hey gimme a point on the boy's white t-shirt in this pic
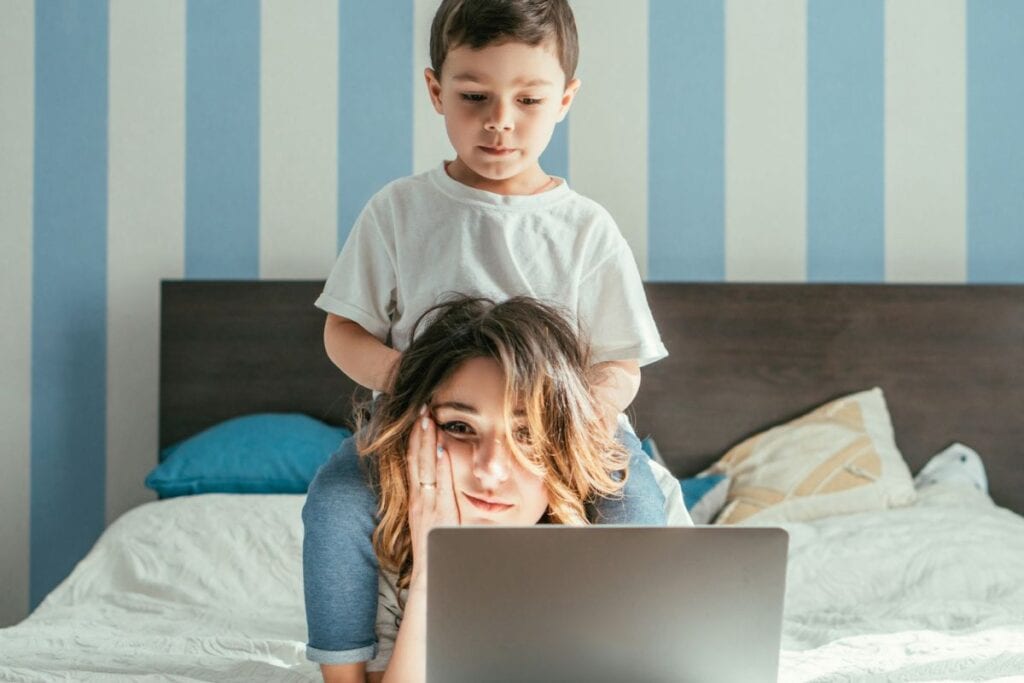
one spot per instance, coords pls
(426, 237)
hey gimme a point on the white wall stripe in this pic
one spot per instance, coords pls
(429, 139)
(765, 140)
(17, 131)
(298, 138)
(925, 141)
(145, 231)
(608, 130)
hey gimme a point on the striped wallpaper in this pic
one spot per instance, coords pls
(794, 140)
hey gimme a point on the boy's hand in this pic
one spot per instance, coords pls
(615, 384)
(611, 421)
(359, 354)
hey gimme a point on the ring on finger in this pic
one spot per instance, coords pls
(428, 484)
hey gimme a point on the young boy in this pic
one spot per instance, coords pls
(489, 223)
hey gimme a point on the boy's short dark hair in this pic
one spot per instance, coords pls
(478, 23)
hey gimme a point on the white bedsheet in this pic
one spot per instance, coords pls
(199, 588)
(208, 588)
(926, 593)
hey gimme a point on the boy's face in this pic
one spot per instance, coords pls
(500, 104)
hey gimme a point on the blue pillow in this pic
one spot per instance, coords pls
(262, 453)
(695, 488)
(703, 496)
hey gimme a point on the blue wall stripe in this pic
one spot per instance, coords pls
(686, 158)
(222, 163)
(69, 316)
(555, 159)
(846, 141)
(375, 119)
(995, 142)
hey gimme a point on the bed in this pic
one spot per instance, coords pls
(208, 587)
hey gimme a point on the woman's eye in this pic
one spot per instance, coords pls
(473, 97)
(522, 435)
(456, 428)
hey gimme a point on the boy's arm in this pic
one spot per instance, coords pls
(615, 383)
(358, 353)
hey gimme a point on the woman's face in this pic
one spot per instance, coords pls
(490, 486)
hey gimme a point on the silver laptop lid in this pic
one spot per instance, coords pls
(605, 603)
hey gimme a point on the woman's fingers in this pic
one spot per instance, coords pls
(427, 456)
(447, 510)
(422, 499)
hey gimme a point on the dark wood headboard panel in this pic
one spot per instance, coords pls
(950, 359)
(229, 348)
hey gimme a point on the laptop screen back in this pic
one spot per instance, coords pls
(605, 603)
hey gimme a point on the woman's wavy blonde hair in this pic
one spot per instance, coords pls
(545, 363)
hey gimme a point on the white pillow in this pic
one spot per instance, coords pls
(957, 465)
(838, 459)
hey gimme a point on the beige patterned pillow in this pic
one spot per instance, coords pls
(838, 459)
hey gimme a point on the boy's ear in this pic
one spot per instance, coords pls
(433, 89)
(571, 88)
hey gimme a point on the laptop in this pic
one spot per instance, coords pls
(605, 603)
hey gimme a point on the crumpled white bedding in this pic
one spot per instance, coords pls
(209, 588)
(198, 588)
(931, 592)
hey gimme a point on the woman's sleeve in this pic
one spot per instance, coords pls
(389, 618)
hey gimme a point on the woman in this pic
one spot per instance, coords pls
(490, 421)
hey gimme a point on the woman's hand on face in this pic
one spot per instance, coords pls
(431, 491)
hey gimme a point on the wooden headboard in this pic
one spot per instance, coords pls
(743, 357)
(229, 348)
